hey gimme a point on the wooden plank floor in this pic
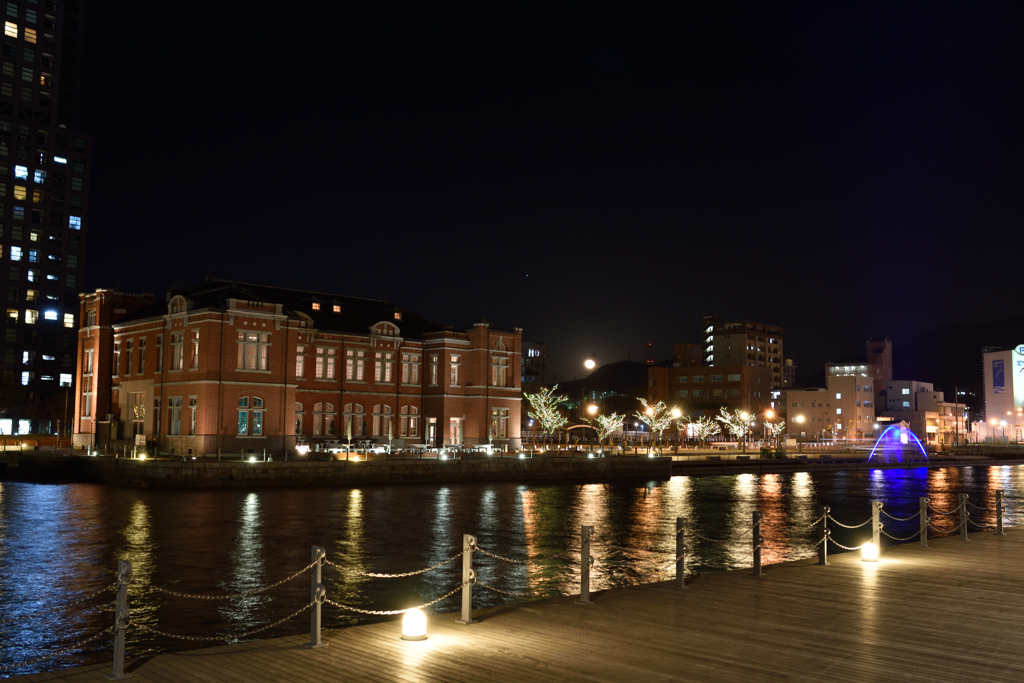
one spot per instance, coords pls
(951, 612)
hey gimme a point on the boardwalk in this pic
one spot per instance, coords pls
(951, 612)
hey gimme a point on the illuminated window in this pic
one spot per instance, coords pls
(337, 308)
(454, 370)
(21, 172)
(33, 236)
(31, 295)
(20, 192)
(39, 176)
(26, 377)
(253, 351)
(30, 35)
(33, 275)
(316, 306)
(382, 366)
(65, 379)
(194, 365)
(12, 314)
(10, 29)
(300, 364)
(60, 160)
(31, 316)
(398, 315)
(16, 253)
(75, 222)
(355, 365)
(33, 256)
(38, 197)
(839, 396)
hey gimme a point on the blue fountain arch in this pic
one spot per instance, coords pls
(893, 446)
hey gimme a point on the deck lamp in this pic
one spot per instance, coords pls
(869, 553)
(252, 458)
(414, 625)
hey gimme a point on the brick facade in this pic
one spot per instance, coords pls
(266, 367)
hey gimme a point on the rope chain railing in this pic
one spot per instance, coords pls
(318, 595)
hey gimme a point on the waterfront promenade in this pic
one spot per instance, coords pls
(950, 612)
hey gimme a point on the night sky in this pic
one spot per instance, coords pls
(599, 176)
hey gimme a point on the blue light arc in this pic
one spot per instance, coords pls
(894, 445)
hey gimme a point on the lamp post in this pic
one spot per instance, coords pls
(592, 411)
(799, 419)
(768, 415)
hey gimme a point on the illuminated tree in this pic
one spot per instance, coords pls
(606, 425)
(775, 430)
(545, 409)
(738, 423)
(704, 428)
(657, 417)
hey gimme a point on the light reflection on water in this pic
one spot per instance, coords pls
(61, 542)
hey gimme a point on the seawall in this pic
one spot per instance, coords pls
(210, 474)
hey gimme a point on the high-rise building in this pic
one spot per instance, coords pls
(742, 342)
(44, 207)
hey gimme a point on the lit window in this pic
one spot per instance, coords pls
(39, 176)
(839, 411)
(75, 222)
(906, 392)
(69, 320)
(16, 253)
(21, 172)
(337, 308)
(65, 379)
(839, 396)
(12, 314)
(30, 35)
(33, 275)
(50, 315)
(60, 160)
(20, 192)
(31, 316)
(26, 377)
(31, 295)
(33, 236)
(52, 277)
(33, 256)
(398, 315)
(10, 29)
(316, 306)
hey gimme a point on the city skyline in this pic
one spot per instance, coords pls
(600, 180)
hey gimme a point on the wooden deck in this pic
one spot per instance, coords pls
(951, 612)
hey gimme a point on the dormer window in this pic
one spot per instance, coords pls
(316, 306)
(398, 315)
(337, 308)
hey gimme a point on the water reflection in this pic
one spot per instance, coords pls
(58, 543)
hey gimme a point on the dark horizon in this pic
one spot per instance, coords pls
(599, 178)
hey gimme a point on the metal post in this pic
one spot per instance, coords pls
(999, 514)
(586, 532)
(680, 551)
(923, 515)
(876, 524)
(121, 614)
(468, 578)
(964, 514)
(757, 543)
(823, 547)
(317, 593)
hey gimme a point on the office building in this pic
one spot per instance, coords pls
(743, 342)
(44, 208)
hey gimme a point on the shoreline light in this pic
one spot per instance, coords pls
(414, 625)
(869, 553)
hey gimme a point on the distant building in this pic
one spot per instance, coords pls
(933, 420)
(743, 342)
(696, 389)
(877, 364)
(231, 366)
(789, 373)
(843, 410)
(1004, 393)
(534, 370)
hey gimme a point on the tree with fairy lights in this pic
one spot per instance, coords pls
(545, 410)
(658, 417)
(775, 430)
(737, 422)
(704, 428)
(606, 425)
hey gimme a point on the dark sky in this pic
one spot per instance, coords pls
(599, 176)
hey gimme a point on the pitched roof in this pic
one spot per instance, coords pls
(357, 314)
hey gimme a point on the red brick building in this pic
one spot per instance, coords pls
(231, 366)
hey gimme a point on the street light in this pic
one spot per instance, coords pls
(768, 415)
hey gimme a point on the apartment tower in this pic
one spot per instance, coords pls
(44, 208)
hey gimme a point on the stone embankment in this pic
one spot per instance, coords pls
(206, 473)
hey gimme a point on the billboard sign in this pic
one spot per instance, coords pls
(998, 377)
(1017, 359)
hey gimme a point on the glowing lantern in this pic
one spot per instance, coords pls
(869, 552)
(414, 625)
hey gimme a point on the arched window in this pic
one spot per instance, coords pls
(381, 420)
(354, 422)
(300, 411)
(408, 421)
(324, 419)
(250, 416)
